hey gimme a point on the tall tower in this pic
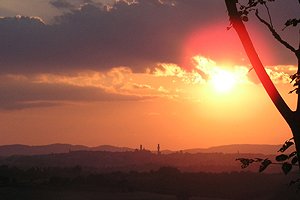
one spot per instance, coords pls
(158, 150)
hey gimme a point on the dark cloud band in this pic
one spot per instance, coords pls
(96, 37)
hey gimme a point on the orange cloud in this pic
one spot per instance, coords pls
(164, 81)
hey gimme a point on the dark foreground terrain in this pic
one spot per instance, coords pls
(166, 183)
(106, 161)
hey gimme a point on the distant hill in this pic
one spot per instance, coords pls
(141, 160)
(19, 149)
(239, 148)
(110, 148)
(110, 158)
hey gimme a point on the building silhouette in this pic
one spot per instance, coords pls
(158, 149)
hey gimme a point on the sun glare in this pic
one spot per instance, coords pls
(223, 81)
(221, 78)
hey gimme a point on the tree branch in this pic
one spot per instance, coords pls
(269, 15)
(275, 34)
(242, 32)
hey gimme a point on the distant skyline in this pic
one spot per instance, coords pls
(125, 73)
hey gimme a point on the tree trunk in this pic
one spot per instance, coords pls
(295, 127)
(296, 121)
(292, 118)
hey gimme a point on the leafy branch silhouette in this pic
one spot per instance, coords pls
(287, 161)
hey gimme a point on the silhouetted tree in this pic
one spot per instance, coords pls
(238, 14)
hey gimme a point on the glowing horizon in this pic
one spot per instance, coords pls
(126, 74)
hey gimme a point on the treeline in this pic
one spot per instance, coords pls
(105, 161)
(166, 180)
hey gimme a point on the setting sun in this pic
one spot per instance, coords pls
(221, 78)
(223, 81)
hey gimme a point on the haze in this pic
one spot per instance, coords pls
(145, 72)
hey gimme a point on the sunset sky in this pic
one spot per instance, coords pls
(133, 72)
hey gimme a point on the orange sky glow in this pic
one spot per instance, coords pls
(176, 108)
(208, 96)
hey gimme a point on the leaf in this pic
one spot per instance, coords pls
(250, 2)
(293, 22)
(293, 154)
(246, 12)
(293, 77)
(290, 92)
(245, 162)
(286, 145)
(294, 181)
(294, 160)
(282, 157)
(258, 159)
(264, 165)
(286, 167)
(245, 18)
(288, 22)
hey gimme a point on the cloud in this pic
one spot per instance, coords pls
(5, 12)
(163, 90)
(279, 74)
(20, 92)
(141, 86)
(61, 4)
(120, 84)
(137, 35)
(204, 70)
(70, 5)
(178, 73)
